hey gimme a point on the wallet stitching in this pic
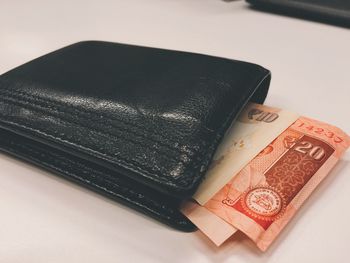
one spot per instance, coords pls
(135, 168)
(129, 190)
(119, 161)
(37, 108)
(91, 113)
(25, 98)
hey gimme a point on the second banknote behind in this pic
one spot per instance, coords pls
(254, 129)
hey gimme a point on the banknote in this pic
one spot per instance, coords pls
(254, 129)
(263, 197)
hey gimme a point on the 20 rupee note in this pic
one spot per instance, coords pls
(267, 192)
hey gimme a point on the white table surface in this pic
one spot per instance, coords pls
(46, 219)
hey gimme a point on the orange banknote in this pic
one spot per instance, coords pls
(268, 191)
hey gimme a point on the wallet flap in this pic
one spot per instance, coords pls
(155, 116)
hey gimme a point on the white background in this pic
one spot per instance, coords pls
(46, 219)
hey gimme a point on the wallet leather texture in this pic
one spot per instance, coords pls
(139, 125)
(328, 11)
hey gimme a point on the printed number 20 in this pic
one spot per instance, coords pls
(315, 152)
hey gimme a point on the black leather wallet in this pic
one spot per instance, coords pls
(328, 11)
(137, 124)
